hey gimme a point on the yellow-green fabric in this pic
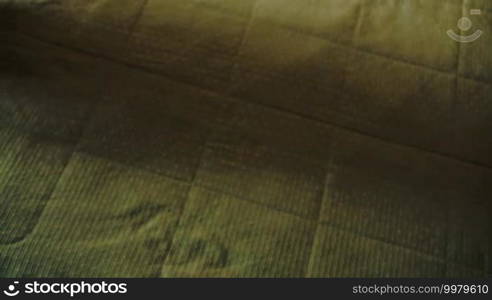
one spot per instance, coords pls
(245, 138)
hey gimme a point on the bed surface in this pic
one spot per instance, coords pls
(252, 138)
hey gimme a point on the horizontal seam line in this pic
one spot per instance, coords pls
(300, 115)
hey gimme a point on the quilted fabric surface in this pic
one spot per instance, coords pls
(245, 138)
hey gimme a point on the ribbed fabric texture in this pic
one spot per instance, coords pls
(254, 138)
